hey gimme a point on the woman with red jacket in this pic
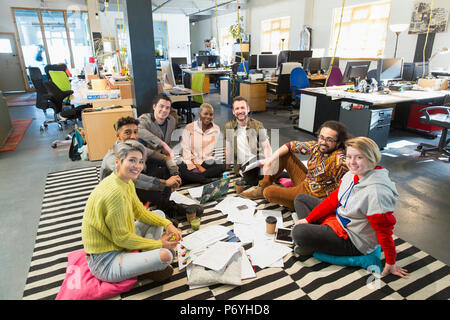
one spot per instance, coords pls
(356, 218)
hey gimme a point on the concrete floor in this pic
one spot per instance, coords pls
(422, 211)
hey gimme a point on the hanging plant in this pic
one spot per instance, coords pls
(234, 30)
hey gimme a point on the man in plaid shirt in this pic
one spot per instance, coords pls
(325, 167)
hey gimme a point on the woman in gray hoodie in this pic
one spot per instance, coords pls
(357, 217)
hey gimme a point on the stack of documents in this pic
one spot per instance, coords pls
(239, 210)
(268, 254)
(217, 256)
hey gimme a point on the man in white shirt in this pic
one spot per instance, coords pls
(246, 141)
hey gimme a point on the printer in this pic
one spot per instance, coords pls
(255, 76)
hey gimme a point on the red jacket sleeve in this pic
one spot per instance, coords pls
(327, 206)
(383, 224)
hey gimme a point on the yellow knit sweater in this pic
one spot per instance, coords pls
(109, 216)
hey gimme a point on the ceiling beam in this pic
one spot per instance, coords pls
(211, 8)
(161, 5)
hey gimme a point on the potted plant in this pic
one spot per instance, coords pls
(235, 28)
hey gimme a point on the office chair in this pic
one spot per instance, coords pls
(335, 77)
(54, 67)
(61, 114)
(282, 88)
(298, 80)
(42, 97)
(440, 120)
(185, 107)
(240, 67)
(177, 73)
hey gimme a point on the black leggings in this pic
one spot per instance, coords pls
(213, 170)
(313, 237)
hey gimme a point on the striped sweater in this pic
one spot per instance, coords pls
(109, 217)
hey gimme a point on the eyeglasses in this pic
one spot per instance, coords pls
(327, 139)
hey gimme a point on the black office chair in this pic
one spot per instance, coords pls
(42, 97)
(177, 73)
(440, 120)
(61, 113)
(282, 88)
(54, 67)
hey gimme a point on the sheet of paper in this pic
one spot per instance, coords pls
(217, 256)
(181, 199)
(254, 165)
(267, 254)
(205, 237)
(196, 192)
(261, 216)
(241, 214)
(247, 271)
(230, 203)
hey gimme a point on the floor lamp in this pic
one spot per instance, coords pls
(397, 29)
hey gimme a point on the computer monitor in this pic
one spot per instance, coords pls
(299, 55)
(202, 60)
(253, 62)
(239, 55)
(408, 71)
(179, 60)
(267, 61)
(389, 69)
(283, 57)
(326, 61)
(418, 70)
(355, 69)
(167, 73)
(312, 65)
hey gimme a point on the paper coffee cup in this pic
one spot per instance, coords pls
(271, 223)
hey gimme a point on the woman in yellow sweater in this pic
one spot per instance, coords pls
(116, 223)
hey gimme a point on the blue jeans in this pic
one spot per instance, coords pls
(117, 266)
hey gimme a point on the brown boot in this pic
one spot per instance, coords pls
(158, 276)
(253, 193)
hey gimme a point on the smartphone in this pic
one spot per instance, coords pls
(284, 236)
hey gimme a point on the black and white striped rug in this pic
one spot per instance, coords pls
(59, 232)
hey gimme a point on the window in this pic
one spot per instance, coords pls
(275, 34)
(363, 31)
(53, 36)
(5, 46)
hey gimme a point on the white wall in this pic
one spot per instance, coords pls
(401, 11)
(178, 33)
(263, 10)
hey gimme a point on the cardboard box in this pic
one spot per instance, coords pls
(434, 84)
(99, 84)
(125, 90)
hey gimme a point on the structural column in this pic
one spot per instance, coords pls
(141, 52)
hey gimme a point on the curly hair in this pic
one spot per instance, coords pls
(340, 128)
(124, 121)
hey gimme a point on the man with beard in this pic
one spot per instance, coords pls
(246, 141)
(326, 166)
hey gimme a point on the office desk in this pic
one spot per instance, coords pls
(207, 72)
(318, 105)
(255, 92)
(99, 130)
(183, 97)
(80, 93)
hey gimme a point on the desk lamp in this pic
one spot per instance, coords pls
(442, 51)
(397, 29)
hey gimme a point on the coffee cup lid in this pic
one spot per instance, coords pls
(271, 219)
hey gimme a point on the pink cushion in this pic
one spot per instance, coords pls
(80, 284)
(286, 182)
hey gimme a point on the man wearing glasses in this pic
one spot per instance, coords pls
(326, 166)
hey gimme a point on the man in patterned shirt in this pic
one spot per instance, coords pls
(326, 166)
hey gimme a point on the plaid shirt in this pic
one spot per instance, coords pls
(324, 170)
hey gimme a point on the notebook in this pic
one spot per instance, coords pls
(214, 190)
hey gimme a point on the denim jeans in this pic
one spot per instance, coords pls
(117, 266)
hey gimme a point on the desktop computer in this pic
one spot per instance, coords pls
(389, 70)
(355, 69)
(312, 65)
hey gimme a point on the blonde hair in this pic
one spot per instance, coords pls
(367, 147)
(204, 106)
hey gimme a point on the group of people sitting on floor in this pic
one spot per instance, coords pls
(343, 200)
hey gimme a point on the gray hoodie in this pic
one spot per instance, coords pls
(374, 193)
